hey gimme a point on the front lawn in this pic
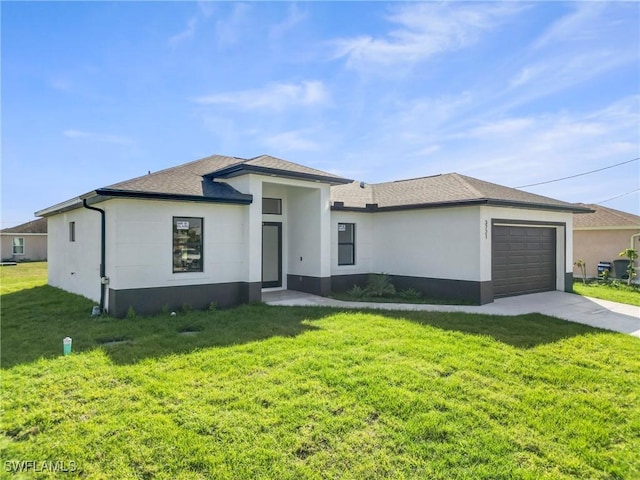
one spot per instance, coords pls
(277, 392)
(614, 291)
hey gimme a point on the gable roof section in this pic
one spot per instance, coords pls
(437, 191)
(196, 181)
(605, 218)
(268, 165)
(34, 226)
(185, 179)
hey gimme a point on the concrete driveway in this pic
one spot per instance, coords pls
(575, 308)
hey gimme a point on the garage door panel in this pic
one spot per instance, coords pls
(523, 260)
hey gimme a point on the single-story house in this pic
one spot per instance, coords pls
(600, 237)
(223, 229)
(24, 242)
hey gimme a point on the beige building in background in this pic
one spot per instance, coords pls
(602, 235)
(25, 242)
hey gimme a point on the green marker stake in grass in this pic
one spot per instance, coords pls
(66, 345)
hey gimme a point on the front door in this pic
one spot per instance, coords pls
(271, 254)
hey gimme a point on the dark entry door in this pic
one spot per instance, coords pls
(271, 254)
(524, 260)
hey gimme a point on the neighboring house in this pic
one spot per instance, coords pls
(600, 237)
(222, 229)
(24, 242)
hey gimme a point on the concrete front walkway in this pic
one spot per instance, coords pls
(575, 308)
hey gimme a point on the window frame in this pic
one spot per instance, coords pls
(72, 231)
(279, 209)
(352, 243)
(13, 246)
(186, 246)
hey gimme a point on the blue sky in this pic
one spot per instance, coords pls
(514, 93)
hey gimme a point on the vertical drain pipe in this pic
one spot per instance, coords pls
(103, 228)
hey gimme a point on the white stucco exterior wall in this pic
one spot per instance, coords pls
(75, 266)
(364, 243)
(140, 243)
(434, 243)
(306, 224)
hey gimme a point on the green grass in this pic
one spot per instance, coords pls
(276, 392)
(614, 291)
(22, 276)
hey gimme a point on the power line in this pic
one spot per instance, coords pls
(618, 196)
(580, 174)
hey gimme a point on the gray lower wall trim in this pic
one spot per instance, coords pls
(149, 301)
(316, 285)
(478, 293)
(343, 283)
(251, 292)
(568, 282)
(486, 292)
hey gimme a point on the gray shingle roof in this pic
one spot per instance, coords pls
(34, 226)
(451, 188)
(189, 178)
(185, 179)
(268, 165)
(605, 217)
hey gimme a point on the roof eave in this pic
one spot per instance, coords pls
(464, 203)
(65, 206)
(243, 169)
(609, 227)
(240, 199)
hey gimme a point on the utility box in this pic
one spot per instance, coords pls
(604, 266)
(621, 268)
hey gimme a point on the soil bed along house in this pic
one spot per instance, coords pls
(221, 229)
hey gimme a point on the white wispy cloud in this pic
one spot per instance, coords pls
(276, 96)
(589, 41)
(294, 140)
(501, 128)
(230, 29)
(97, 137)
(579, 25)
(522, 150)
(294, 17)
(185, 34)
(205, 10)
(424, 30)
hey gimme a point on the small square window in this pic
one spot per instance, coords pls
(272, 206)
(72, 231)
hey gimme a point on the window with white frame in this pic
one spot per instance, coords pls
(346, 244)
(18, 246)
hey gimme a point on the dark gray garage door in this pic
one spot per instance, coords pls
(523, 260)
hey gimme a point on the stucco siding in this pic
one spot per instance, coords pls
(140, 240)
(363, 247)
(75, 266)
(435, 243)
(594, 246)
(304, 232)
